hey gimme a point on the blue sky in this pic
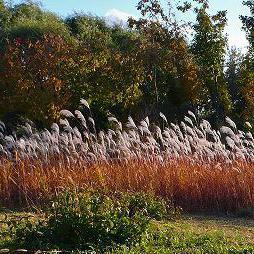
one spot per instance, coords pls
(121, 9)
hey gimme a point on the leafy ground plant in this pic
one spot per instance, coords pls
(92, 220)
(187, 234)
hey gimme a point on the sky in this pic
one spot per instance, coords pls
(122, 9)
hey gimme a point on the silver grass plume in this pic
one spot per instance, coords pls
(112, 119)
(131, 123)
(192, 115)
(248, 125)
(84, 103)
(66, 113)
(189, 121)
(55, 128)
(226, 130)
(91, 120)
(2, 126)
(231, 123)
(163, 117)
(147, 120)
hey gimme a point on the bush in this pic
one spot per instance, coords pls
(91, 220)
(154, 208)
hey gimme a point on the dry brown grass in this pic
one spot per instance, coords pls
(193, 186)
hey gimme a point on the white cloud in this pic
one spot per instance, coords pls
(117, 17)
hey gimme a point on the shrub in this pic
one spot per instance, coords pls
(91, 220)
(154, 208)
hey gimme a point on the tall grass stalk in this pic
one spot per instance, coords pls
(190, 164)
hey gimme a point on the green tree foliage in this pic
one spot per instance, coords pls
(246, 76)
(246, 83)
(29, 21)
(48, 63)
(171, 80)
(248, 22)
(33, 80)
(209, 47)
(4, 16)
(110, 73)
(232, 74)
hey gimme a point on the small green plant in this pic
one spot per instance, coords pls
(154, 208)
(13, 226)
(92, 220)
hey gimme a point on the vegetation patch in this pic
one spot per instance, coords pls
(91, 220)
(184, 234)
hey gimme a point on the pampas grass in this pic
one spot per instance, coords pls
(196, 187)
(190, 164)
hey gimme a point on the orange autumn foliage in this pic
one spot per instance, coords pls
(32, 77)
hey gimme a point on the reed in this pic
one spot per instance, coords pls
(190, 164)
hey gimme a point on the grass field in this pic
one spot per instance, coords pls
(188, 165)
(196, 187)
(189, 234)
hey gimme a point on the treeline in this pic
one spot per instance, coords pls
(48, 63)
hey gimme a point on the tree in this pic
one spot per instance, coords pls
(209, 47)
(141, 70)
(246, 83)
(110, 73)
(4, 16)
(171, 81)
(28, 21)
(232, 73)
(246, 76)
(248, 22)
(33, 78)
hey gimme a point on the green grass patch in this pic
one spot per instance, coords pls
(123, 224)
(196, 235)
